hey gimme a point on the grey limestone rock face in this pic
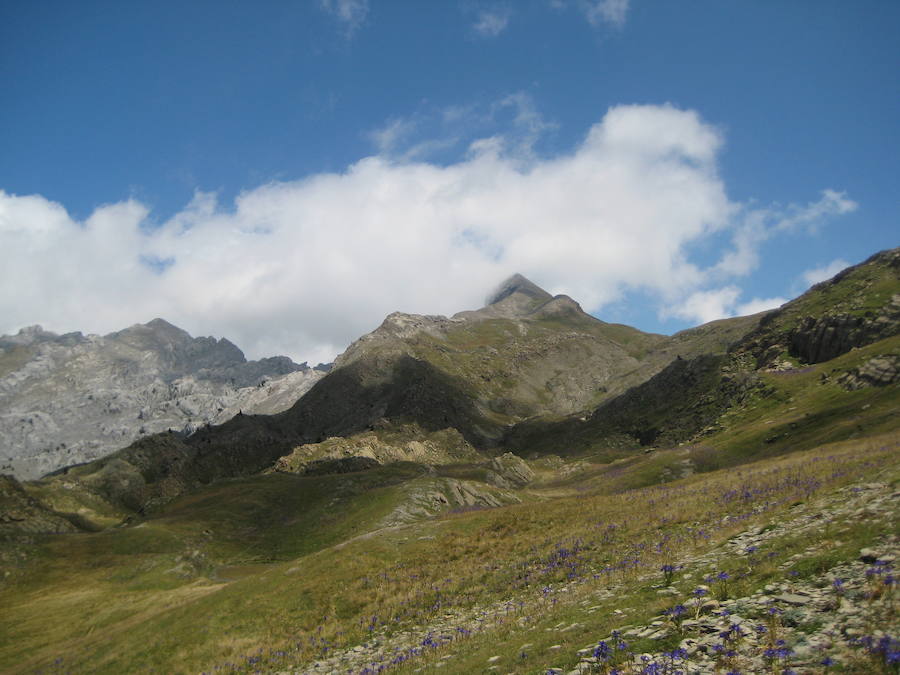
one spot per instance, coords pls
(69, 399)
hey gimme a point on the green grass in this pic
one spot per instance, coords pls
(808, 408)
(282, 561)
(70, 497)
(505, 360)
(301, 514)
(863, 291)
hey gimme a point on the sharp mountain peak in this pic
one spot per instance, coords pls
(517, 283)
(161, 324)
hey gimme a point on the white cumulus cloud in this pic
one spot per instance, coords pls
(720, 303)
(814, 276)
(709, 305)
(303, 267)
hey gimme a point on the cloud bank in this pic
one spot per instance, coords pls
(304, 267)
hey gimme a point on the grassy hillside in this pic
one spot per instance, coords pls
(858, 306)
(552, 361)
(272, 571)
(846, 323)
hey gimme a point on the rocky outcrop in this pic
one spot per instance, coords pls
(818, 339)
(427, 497)
(858, 306)
(68, 399)
(509, 471)
(20, 513)
(879, 371)
(399, 444)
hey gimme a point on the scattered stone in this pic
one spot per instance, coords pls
(816, 624)
(792, 599)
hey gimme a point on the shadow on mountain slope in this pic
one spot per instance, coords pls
(352, 399)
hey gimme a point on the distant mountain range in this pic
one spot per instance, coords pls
(525, 362)
(68, 399)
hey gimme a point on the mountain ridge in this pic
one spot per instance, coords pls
(479, 373)
(691, 394)
(528, 381)
(67, 399)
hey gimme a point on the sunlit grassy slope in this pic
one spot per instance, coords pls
(276, 563)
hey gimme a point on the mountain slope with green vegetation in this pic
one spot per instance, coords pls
(526, 354)
(853, 320)
(383, 523)
(280, 572)
(858, 306)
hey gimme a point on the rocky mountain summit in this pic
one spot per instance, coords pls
(68, 399)
(528, 353)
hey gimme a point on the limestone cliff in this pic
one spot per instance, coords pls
(67, 399)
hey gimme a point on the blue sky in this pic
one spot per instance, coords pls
(287, 173)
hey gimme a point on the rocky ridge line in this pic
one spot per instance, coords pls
(68, 399)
